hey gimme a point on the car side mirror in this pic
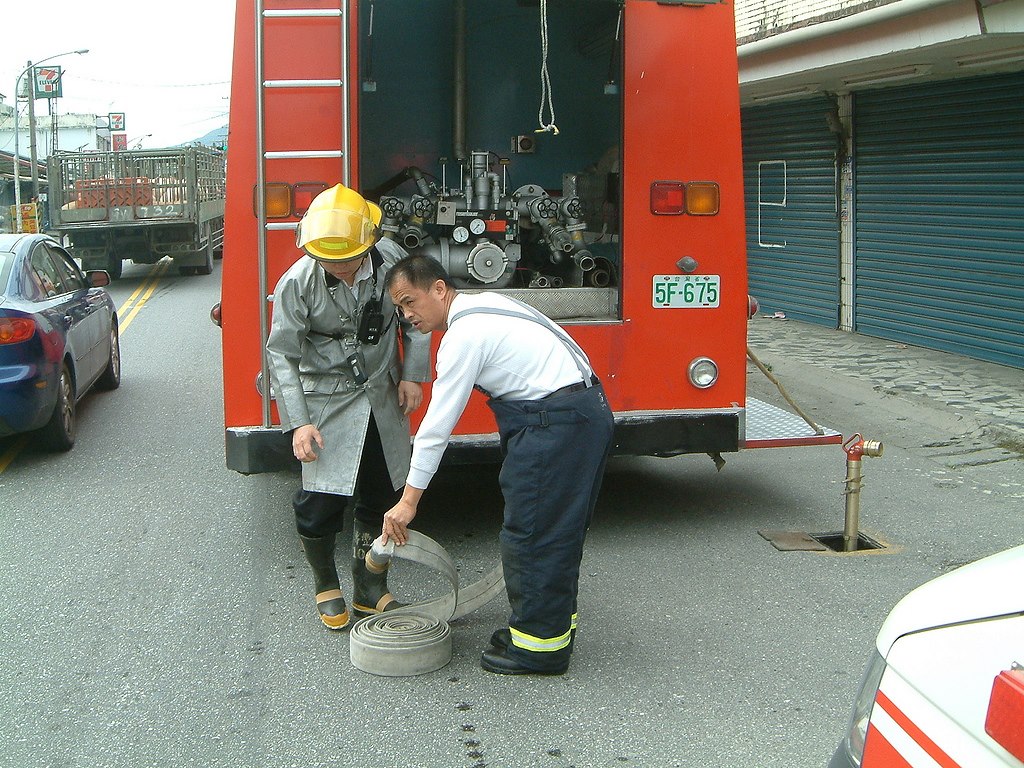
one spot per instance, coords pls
(98, 278)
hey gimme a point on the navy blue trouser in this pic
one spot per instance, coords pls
(555, 451)
(320, 514)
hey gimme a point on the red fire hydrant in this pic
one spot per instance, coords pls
(856, 448)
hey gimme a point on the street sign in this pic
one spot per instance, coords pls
(119, 141)
(46, 82)
(29, 216)
(115, 121)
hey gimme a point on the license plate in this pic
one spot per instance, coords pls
(685, 291)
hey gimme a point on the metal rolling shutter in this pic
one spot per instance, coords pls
(940, 216)
(792, 229)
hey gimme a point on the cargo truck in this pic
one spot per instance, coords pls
(140, 205)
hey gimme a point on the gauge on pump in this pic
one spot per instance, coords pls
(477, 226)
(460, 234)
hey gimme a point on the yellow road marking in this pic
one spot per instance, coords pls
(146, 291)
(12, 452)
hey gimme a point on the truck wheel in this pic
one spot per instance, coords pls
(111, 376)
(59, 432)
(114, 267)
(207, 268)
(187, 270)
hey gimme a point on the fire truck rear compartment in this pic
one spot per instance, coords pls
(452, 145)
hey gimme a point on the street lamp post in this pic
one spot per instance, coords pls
(32, 138)
(33, 157)
(137, 140)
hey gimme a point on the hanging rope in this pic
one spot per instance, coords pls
(782, 390)
(545, 78)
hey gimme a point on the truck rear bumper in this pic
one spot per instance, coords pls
(251, 450)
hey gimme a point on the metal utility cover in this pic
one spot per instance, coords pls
(793, 541)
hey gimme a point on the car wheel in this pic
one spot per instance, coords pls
(111, 376)
(114, 267)
(59, 432)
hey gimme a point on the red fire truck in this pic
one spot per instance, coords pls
(580, 155)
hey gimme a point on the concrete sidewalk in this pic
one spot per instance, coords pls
(983, 396)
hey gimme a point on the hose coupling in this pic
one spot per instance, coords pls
(378, 556)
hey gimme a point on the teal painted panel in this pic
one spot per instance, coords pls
(408, 119)
(939, 247)
(792, 226)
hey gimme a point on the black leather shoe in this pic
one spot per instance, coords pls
(494, 660)
(501, 638)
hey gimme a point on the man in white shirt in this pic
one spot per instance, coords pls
(556, 431)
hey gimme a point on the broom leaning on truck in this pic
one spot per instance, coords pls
(140, 205)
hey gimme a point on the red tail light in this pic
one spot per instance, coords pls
(14, 330)
(668, 198)
(1006, 711)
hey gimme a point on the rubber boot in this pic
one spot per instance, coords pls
(370, 593)
(330, 603)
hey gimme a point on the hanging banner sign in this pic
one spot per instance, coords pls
(46, 82)
(115, 121)
(118, 141)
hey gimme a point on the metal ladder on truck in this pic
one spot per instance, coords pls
(269, 156)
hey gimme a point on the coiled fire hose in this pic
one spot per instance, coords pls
(416, 639)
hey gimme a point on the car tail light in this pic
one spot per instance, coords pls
(1006, 711)
(14, 330)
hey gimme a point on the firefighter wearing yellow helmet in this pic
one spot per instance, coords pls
(343, 391)
(339, 225)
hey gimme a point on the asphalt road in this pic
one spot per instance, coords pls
(156, 609)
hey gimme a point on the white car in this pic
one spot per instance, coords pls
(945, 686)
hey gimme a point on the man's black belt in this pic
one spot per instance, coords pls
(571, 388)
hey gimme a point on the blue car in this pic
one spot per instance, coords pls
(58, 338)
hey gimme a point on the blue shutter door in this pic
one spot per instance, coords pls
(792, 226)
(939, 242)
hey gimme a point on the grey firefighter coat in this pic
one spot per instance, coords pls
(313, 383)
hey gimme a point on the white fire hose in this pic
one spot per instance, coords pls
(416, 639)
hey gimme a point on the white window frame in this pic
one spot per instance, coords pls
(761, 202)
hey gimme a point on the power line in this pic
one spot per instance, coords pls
(152, 85)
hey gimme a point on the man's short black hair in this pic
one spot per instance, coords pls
(419, 271)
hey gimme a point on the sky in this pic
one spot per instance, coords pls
(165, 65)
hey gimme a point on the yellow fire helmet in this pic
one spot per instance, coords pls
(338, 225)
